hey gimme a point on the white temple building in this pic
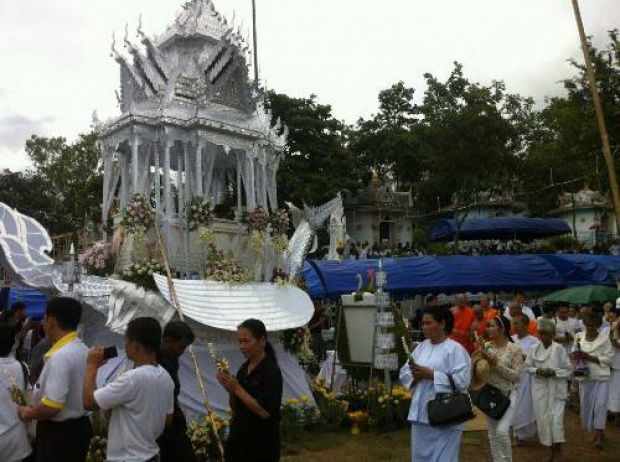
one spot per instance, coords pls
(589, 214)
(192, 125)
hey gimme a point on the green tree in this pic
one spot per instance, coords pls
(318, 164)
(471, 138)
(71, 175)
(386, 140)
(29, 194)
(566, 151)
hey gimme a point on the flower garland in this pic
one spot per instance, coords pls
(97, 259)
(224, 267)
(279, 227)
(138, 217)
(141, 274)
(17, 395)
(297, 342)
(257, 224)
(280, 277)
(199, 214)
(220, 362)
(206, 236)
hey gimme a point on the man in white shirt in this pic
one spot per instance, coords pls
(141, 399)
(64, 429)
(14, 444)
(526, 310)
(565, 328)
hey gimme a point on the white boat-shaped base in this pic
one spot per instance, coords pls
(225, 306)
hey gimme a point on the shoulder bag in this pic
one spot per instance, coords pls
(448, 409)
(491, 400)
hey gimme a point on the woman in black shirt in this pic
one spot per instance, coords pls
(255, 399)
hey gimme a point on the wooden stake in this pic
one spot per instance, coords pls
(174, 298)
(599, 115)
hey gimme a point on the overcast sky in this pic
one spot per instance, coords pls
(55, 64)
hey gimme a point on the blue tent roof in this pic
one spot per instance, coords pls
(499, 228)
(423, 275)
(35, 300)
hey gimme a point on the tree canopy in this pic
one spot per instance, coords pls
(71, 179)
(318, 164)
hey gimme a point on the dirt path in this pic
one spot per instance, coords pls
(394, 447)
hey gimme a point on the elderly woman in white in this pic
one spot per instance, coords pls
(594, 389)
(427, 374)
(548, 364)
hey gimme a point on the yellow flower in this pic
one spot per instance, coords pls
(305, 399)
(380, 399)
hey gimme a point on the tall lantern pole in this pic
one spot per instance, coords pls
(599, 115)
(255, 42)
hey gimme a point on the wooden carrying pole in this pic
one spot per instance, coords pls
(599, 115)
(177, 305)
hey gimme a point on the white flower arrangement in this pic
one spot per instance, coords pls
(199, 214)
(138, 216)
(224, 267)
(141, 274)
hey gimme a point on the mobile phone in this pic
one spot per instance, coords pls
(110, 352)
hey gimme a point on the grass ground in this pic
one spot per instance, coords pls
(394, 446)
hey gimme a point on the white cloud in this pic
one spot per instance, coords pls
(56, 67)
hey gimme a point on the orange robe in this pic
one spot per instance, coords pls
(463, 319)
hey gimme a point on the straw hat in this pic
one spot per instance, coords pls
(480, 371)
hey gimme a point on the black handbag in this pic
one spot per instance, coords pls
(448, 409)
(491, 400)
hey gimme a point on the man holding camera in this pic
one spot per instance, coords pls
(140, 400)
(63, 427)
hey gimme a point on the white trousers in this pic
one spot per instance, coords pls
(499, 432)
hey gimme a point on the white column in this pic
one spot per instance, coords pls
(180, 188)
(198, 188)
(107, 179)
(135, 172)
(167, 186)
(156, 147)
(124, 161)
(188, 174)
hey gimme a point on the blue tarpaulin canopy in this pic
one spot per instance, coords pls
(498, 228)
(451, 274)
(35, 300)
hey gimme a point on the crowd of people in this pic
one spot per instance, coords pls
(534, 363)
(363, 250)
(46, 416)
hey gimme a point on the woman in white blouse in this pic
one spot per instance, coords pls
(506, 360)
(427, 374)
(594, 389)
(550, 368)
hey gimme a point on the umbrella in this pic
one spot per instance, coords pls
(583, 294)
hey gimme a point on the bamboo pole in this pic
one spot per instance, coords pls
(174, 298)
(599, 115)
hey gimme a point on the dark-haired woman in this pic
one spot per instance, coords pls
(594, 389)
(255, 396)
(506, 359)
(427, 374)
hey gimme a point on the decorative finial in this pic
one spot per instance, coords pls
(126, 34)
(113, 47)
